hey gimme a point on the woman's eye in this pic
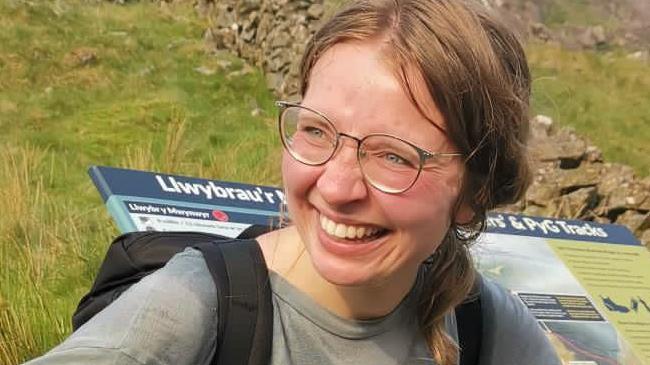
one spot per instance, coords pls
(395, 159)
(315, 132)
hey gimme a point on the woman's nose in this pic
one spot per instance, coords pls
(342, 181)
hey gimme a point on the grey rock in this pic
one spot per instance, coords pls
(564, 146)
(602, 220)
(280, 40)
(598, 34)
(203, 70)
(573, 179)
(540, 126)
(315, 11)
(277, 64)
(628, 196)
(645, 238)
(634, 220)
(274, 80)
(592, 37)
(540, 31)
(224, 18)
(247, 6)
(577, 203)
(248, 35)
(593, 154)
(204, 8)
(223, 38)
(541, 194)
(614, 177)
(536, 210)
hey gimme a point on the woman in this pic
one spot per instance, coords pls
(412, 124)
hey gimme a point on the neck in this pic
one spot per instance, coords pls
(352, 302)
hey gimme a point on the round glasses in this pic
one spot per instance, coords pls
(388, 163)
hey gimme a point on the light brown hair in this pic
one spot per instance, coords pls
(476, 72)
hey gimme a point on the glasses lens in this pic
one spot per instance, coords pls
(309, 138)
(388, 163)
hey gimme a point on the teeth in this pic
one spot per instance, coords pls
(351, 233)
(345, 231)
(341, 230)
(331, 227)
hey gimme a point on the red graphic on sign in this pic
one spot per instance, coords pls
(220, 216)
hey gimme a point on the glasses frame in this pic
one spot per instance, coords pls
(423, 154)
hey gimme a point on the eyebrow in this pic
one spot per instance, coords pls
(415, 144)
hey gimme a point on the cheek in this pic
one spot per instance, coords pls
(425, 214)
(297, 179)
(289, 179)
(286, 169)
(428, 216)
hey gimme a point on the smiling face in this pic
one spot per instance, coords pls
(356, 88)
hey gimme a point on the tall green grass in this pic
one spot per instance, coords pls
(49, 252)
(142, 104)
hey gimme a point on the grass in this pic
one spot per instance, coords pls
(85, 82)
(576, 12)
(604, 96)
(49, 252)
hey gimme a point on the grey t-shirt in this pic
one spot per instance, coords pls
(306, 333)
(170, 318)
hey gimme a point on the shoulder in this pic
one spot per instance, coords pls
(186, 271)
(175, 305)
(168, 317)
(511, 335)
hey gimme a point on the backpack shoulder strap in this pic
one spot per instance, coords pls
(255, 230)
(245, 309)
(469, 321)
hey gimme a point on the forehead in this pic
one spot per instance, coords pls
(356, 85)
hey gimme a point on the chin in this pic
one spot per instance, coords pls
(346, 275)
(348, 271)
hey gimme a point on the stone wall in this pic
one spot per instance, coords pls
(270, 34)
(571, 179)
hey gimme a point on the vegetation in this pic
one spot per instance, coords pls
(85, 83)
(604, 96)
(577, 12)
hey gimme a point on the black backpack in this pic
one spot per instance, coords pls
(238, 269)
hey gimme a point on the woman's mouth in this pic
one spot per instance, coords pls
(359, 233)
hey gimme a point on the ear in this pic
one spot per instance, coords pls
(464, 214)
